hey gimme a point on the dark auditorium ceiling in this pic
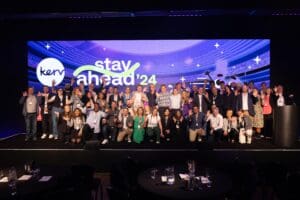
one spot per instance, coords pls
(32, 9)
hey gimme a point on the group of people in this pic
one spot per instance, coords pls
(220, 112)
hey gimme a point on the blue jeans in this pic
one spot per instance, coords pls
(55, 120)
(30, 121)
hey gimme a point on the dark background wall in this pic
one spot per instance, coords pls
(282, 30)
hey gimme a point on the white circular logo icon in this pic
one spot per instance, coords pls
(50, 69)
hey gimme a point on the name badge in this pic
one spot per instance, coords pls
(95, 121)
(139, 126)
(196, 124)
(177, 126)
(61, 104)
(78, 105)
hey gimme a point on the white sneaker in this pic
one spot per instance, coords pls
(44, 136)
(51, 136)
(199, 139)
(129, 140)
(56, 138)
(105, 141)
(157, 142)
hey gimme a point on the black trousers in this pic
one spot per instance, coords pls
(88, 133)
(268, 125)
(112, 131)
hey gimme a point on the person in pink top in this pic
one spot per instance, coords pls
(267, 112)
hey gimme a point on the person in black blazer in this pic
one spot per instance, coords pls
(200, 96)
(114, 97)
(178, 127)
(228, 99)
(249, 107)
(166, 124)
(197, 125)
(216, 99)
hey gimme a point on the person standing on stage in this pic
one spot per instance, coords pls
(267, 103)
(138, 127)
(30, 110)
(138, 98)
(58, 102)
(175, 101)
(163, 99)
(154, 127)
(244, 101)
(201, 100)
(46, 112)
(166, 121)
(151, 95)
(258, 119)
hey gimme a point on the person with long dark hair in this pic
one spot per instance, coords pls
(166, 120)
(178, 128)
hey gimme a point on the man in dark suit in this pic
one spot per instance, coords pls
(201, 101)
(245, 101)
(216, 99)
(115, 96)
(197, 125)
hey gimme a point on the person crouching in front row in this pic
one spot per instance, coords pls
(245, 126)
(76, 123)
(125, 126)
(230, 127)
(197, 124)
(216, 124)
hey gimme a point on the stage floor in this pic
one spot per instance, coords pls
(17, 142)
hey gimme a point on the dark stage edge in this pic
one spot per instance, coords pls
(17, 142)
(14, 151)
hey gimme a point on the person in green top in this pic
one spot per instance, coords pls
(138, 127)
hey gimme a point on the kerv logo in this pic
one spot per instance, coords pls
(50, 69)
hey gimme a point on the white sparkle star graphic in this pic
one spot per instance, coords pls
(47, 46)
(172, 65)
(222, 52)
(249, 67)
(217, 45)
(233, 67)
(257, 59)
(182, 79)
(198, 65)
(62, 52)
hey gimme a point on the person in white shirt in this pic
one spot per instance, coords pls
(175, 101)
(216, 124)
(154, 126)
(93, 118)
(138, 98)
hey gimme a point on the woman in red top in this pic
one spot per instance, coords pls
(267, 112)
